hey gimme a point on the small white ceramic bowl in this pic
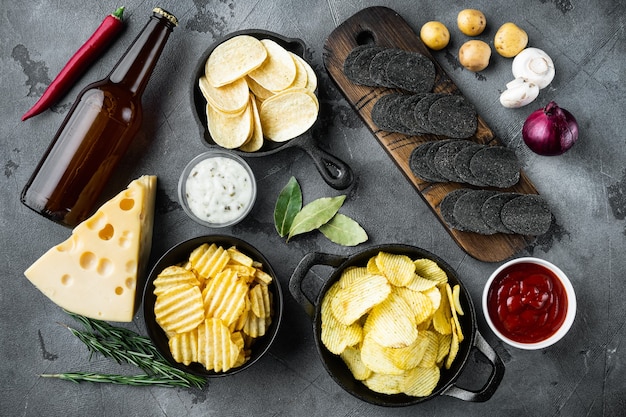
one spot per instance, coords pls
(514, 264)
(217, 189)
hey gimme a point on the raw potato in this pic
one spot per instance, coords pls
(474, 55)
(510, 40)
(435, 35)
(471, 22)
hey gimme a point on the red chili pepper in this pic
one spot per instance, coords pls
(108, 30)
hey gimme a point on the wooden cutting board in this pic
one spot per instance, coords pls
(384, 27)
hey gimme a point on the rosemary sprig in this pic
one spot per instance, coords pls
(136, 380)
(126, 346)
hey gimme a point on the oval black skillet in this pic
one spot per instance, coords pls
(335, 172)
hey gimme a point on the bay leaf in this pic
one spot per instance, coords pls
(288, 204)
(315, 214)
(344, 230)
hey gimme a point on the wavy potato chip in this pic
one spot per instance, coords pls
(420, 382)
(184, 347)
(179, 309)
(429, 269)
(278, 71)
(399, 269)
(386, 383)
(216, 349)
(350, 303)
(391, 323)
(352, 357)
(174, 275)
(234, 58)
(211, 261)
(419, 303)
(224, 296)
(378, 358)
(335, 335)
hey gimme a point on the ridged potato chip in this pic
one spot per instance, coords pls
(349, 304)
(231, 98)
(420, 382)
(419, 283)
(391, 323)
(352, 357)
(335, 335)
(234, 58)
(429, 269)
(179, 309)
(443, 316)
(399, 269)
(216, 349)
(288, 114)
(419, 303)
(386, 383)
(378, 358)
(260, 300)
(277, 71)
(410, 356)
(174, 275)
(224, 296)
(184, 347)
(210, 262)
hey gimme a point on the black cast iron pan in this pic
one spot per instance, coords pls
(334, 171)
(339, 371)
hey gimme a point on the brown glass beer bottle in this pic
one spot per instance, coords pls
(104, 119)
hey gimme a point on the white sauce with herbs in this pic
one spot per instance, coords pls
(218, 190)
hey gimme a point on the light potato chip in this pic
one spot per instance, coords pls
(350, 275)
(224, 296)
(301, 78)
(174, 275)
(234, 58)
(256, 139)
(260, 300)
(216, 349)
(378, 358)
(455, 318)
(432, 349)
(256, 326)
(410, 356)
(184, 347)
(262, 277)
(335, 335)
(443, 316)
(311, 83)
(277, 71)
(230, 130)
(454, 347)
(456, 295)
(372, 268)
(385, 383)
(238, 257)
(230, 98)
(288, 114)
(421, 382)
(435, 296)
(419, 283)
(211, 262)
(260, 93)
(399, 269)
(179, 309)
(429, 269)
(198, 253)
(419, 303)
(350, 303)
(391, 323)
(444, 347)
(352, 357)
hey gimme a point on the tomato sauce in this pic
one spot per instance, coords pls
(527, 302)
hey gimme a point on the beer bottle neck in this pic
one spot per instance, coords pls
(134, 68)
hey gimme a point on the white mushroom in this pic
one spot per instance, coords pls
(518, 93)
(535, 66)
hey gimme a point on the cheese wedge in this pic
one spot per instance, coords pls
(94, 273)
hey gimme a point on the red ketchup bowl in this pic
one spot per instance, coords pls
(529, 303)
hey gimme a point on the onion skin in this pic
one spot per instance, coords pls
(550, 131)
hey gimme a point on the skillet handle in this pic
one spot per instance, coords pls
(305, 265)
(492, 383)
(334, 171)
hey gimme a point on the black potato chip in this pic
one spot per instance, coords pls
(492, 207)
(419, 165)
(411, 71)
(420, 113)
(446, 207)
(378, 67)
(444, 159)
(527, 214)
(453, 116)
(467, 211)
(462, 164)
(495, 166)
(356, 67)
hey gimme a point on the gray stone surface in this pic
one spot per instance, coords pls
(583, 375)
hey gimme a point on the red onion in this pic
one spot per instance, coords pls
(550, 131)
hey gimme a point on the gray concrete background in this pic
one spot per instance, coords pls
(583, 375)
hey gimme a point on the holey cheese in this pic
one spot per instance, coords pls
(94, 273)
